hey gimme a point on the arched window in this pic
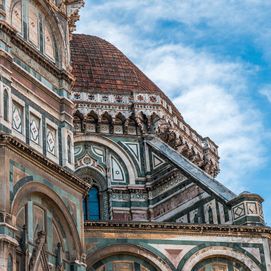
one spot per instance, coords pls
(10, 263)
(69, 149)
(92, 205)
(6, 105)
(31, 23)
(16, 16)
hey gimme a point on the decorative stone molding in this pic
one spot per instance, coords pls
(206, 229)
(32, 154)
(89, 117)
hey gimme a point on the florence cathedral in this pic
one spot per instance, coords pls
(99, 170)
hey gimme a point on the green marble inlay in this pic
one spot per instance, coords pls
(64, 195)
(239, 247)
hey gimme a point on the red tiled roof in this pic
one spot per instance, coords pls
(100, 66)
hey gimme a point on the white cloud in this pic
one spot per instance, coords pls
(211, 95)
(266, 91)
(211, 92)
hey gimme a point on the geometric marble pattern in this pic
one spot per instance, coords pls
(239, 211)
(51, 139)
(34, 129)
(117, 171)
(251, 208)
(17, 115)
(157, 161)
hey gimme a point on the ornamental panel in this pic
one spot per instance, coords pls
(238, 211)
(34, 129)
(17, 117)
(51, 140)
(252, 208)
(117, 170)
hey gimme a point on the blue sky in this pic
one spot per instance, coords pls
(213, 59)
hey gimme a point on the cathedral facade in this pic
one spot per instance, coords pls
(98, 169)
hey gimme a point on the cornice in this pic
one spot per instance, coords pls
(25, 150)
(205, 229)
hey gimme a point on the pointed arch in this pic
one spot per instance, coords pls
(99, 182)
(106, 123)
(42, 191)
(120, 118)
(78, 121)
(91, 122)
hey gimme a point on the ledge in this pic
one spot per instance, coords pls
(173, 227)
(42, 160)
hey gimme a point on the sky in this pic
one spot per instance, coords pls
(213, 59)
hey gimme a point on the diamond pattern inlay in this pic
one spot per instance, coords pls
(17, 118)
(51, 134)
(35, 129)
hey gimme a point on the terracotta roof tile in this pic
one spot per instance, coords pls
(98, 65)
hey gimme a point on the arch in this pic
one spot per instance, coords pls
(94, 177)
(106, 123)
(131, 126)
(126, 249)
(97, 178)
(119, 118)
(92, 117)
(24, 192)
(195, 256)
(215, 263)
(106, 117)
(78, 121)
(91, 122)
(16, 15)
(127, 160)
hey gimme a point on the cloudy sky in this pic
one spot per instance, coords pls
(213, 59)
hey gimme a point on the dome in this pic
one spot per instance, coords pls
(100, 66)
(111, 92)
